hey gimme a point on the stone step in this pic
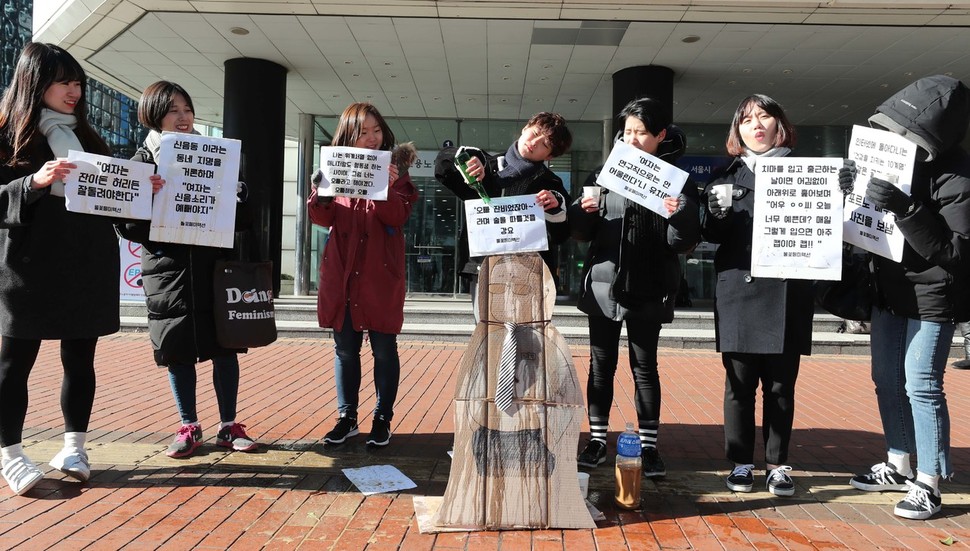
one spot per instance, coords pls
(451, 320)
(457, 312)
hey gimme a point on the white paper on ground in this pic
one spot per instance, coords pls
(377, 479)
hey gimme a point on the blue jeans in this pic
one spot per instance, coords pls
(387, 369)
(908, 361)
(225, 381)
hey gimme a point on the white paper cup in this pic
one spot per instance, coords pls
(891, 178)
(723, 194)
(591, 191)
(583, 484)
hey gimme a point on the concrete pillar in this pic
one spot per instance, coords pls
(253, 112)
(654, 81)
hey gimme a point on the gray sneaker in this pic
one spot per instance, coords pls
(187, 440)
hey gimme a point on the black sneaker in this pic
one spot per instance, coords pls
(882, 478)
(593, 454)
(652, 464)
(346, 427)
(380, 432)
(920, 503)
(741, 479)
(778, 481)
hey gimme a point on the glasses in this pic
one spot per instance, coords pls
(517, 288)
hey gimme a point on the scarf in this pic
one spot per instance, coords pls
(639, 276)
(518, 172)
(153, 143)
(750, 158)
(58, 128)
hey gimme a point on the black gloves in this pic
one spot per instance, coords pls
(847, 176)
(886, 196)
(716, 206)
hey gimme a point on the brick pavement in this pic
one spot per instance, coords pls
(292, 493)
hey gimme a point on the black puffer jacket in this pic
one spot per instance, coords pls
(178, 293)
(931, 281)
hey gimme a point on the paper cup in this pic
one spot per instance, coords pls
(591, 191)
(583, 484)
(891, 178)
(723, 194)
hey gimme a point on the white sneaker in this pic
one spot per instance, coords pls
(21, 474)
(73, 462)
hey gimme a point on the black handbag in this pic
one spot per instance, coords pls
(851, 297)
(244, 312)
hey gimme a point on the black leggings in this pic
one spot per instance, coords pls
(604, 344)
(17, 357)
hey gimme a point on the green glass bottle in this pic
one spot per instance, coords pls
(461, 161)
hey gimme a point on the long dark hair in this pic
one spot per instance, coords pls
(351, 122)
(786, 132)
(157, 99)
(40, 65)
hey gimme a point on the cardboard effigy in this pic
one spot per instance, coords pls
(514, 463)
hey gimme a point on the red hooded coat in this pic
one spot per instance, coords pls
(363, 261)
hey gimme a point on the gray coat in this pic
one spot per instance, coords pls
(59, 271)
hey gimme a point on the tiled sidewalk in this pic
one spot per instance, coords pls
(292, 494)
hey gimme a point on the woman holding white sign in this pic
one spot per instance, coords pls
(763, 325)
(362, 277)
(920, 297)
(58, 269)
(178, 284)
(632, 274)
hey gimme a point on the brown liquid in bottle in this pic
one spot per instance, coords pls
(627, 493)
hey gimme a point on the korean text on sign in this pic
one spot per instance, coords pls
(887, 156)
(197, 205)
(354, 172)
(641, 177)
(797, 219)
(106, 186)
(514, 224)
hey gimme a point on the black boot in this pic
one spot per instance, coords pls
(965, 330)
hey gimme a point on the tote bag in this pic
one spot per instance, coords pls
(243, 291)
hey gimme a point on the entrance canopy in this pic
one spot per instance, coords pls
(828, 63)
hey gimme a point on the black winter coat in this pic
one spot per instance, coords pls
(556, 232)
(59, 270)
(931, 281)
(752, 315)
(178, 285)
(604, 230)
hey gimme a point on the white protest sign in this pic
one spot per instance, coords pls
(130, 281)
(354, 172)
(887, 156)
(197, 205)
(797, 219)
(513, 224)
(107, 186)
(641, 177)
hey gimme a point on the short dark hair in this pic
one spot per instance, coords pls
(352, 121)
(553, 127)
(786, 132)
(157, 99)
(651, 113)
